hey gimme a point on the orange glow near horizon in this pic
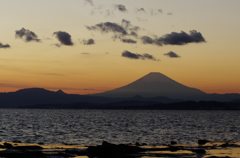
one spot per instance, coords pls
(89, 88)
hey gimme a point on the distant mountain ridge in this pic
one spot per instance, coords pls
(152, 85)
(33, 96)
(152, 88)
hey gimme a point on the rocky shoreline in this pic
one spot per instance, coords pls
(202, 149)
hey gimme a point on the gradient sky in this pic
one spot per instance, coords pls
(211, 66)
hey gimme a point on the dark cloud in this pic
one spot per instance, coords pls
(124, 39)
(134, 28)
(130, 28)
(121, 31)
(147, 40)
(126, 23)
(120, 7)
(130, 55)
(88, 42)
(64, 38)
(56, 44)
(4, 45)
(169, 13)
(175, 38)
(181, 38)
(108, 27)
(115, 37)
(133, 33)
(89, 2)
(172, 55)
(140, 10)
(149, 56)
(26, 35)
(128, 40)
(155, 11)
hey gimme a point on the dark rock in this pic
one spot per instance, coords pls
(137, 144)
(9, 153)
(31, 147)
(17, 141)
(7, 145)
(202, 141)
(224, 145)
(77, 151)
(218, 157)
(199, 151)
(105, 143)
(63, 155)
(174, 148)
(173, 142)
(233, 145)
(108, 149)
(144, 143)
(70, 143)
(229, 145)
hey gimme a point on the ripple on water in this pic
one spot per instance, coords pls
(91, 127)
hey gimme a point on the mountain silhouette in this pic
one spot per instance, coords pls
(152, 85)
(152, 88)
(34, 96)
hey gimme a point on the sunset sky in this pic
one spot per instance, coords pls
(91, 46)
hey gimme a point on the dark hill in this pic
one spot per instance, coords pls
(33, 96)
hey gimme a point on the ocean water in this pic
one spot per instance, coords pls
(91, 127)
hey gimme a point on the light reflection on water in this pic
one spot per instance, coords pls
(91, 127)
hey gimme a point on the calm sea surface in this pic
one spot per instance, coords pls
(91, 127)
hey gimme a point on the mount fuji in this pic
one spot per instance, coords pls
(150, 89)
(152, 85)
